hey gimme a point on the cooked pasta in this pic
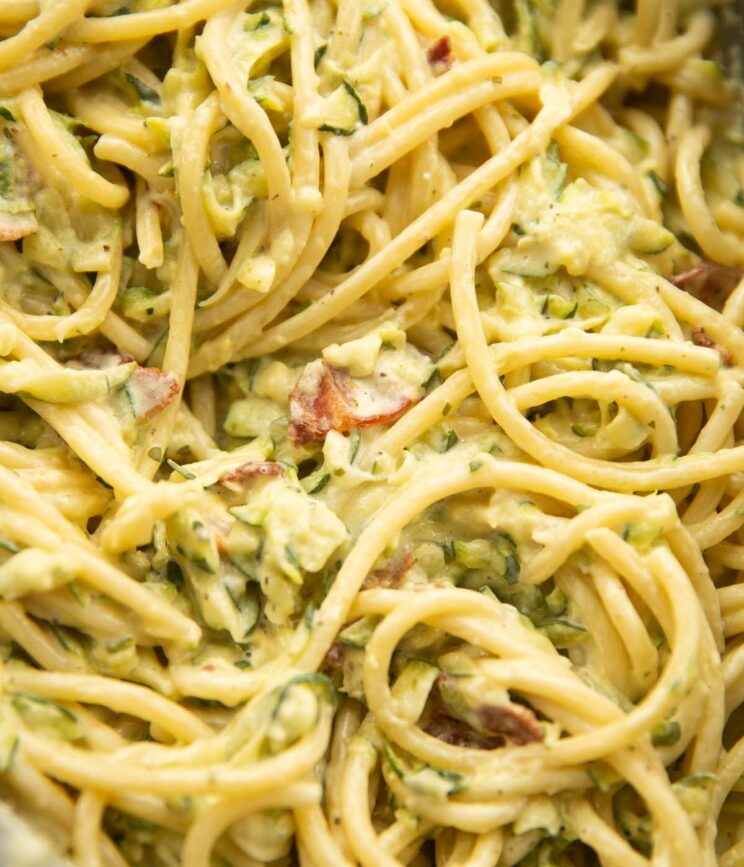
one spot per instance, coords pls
(371, 435)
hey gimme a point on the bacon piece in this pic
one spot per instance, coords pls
(99, 359)
(319, 402)
(249, 470)
(459, 734)
(151, 390)
(709, 282)
(515, 722)
(335, 657)
(439, 54)
(326, 399)
(13, 227)
(439, 724)
(389, 576)
(700, 338)
(509, 721)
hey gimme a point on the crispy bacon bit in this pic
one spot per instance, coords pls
(326, 399)
(249, 470)
(700, 338)
(13, 227)
(710, 282)
(319, 402)
(335, 657)
(438, 722)
(515, 722)
(439, 54)
(458, 733)
(151, 390)
(99, 359)
(483, 727)
(389, 576)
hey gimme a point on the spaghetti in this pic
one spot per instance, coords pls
(371, 446)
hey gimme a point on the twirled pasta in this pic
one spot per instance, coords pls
(371, 477)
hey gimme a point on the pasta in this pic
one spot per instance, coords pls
(371, 436)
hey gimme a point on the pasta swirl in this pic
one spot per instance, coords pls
(371, 458)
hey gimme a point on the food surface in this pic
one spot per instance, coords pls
(371, 435)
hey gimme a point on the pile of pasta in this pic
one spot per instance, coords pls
(371, 438)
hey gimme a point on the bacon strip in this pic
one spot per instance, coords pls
(249, 470)
(151, 391)
(441, 725)
(335, 657)
(515, 722)
(389, 576)
(325, 399)
(700, 338)
(709, 282)
(13, 227)
(319, 402)
(99, 359)
(439, 54)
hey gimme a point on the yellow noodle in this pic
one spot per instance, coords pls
(70, 166)
(438, 561)
(38, 30)
(145, 23)
(48, 64)
(720, 246)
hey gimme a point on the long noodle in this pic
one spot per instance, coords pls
(371, 437)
